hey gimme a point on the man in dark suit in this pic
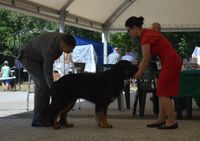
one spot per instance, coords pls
(38, 56)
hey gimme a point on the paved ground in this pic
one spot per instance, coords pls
(14, 103)
(15, 123)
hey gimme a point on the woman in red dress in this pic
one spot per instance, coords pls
(155, 43)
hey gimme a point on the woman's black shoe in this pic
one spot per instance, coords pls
(153, 125)
(174, 126)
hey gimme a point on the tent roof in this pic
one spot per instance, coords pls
(110, 15)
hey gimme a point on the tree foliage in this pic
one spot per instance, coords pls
(16, 29)
(183, 42)
(121, 40)
(83, 33)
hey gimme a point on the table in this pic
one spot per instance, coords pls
(189, 88)
(190, 83)
(13, 78)
(7, 78)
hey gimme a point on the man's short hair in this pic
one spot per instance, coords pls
(69, 40)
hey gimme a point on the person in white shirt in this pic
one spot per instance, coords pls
(130, 56)
(114, 57)
(134, 54)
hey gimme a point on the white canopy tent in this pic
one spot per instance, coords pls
(196, 54)
(81, 54)
(85, 54)
(109, 15)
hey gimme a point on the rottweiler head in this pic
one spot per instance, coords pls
(126, 69)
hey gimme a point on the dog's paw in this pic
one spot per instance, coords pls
(56, 125)
(108, 126)
(101, 125)
(69, 125)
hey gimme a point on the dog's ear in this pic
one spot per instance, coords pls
(126, 68)
(123, 64)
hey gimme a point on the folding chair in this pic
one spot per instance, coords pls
(105, 67)
(79, 68)
(146, 84)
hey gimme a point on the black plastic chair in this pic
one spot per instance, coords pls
(80, 67)
(105, 67)
(183, 103)
(146, 84)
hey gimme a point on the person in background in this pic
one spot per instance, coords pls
(114, 57)
(37, 57)
(69, 64)
(58, 66)
(18, 67)
(5, 73)
(156, 26)
(131, 56)
(155, 43)
(135, 55)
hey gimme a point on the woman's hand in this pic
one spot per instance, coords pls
(137, 75)
(146, 56)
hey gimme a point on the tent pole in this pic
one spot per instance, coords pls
(62, 21)
(62, 30)
(105, 38)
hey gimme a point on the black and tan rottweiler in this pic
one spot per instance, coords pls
(98, 88)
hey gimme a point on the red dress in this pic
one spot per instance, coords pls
(169, 77)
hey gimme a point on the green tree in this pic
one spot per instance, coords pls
(184, 42)
(16, 28)
(183, 48)
(122, 40)
(83, 33)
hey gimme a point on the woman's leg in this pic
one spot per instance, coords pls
(7, 86)
(168, 107)
(161, 116)
(4, 86)
(162, 112)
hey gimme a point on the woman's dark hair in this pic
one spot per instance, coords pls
(134, 21)
(69, 40)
